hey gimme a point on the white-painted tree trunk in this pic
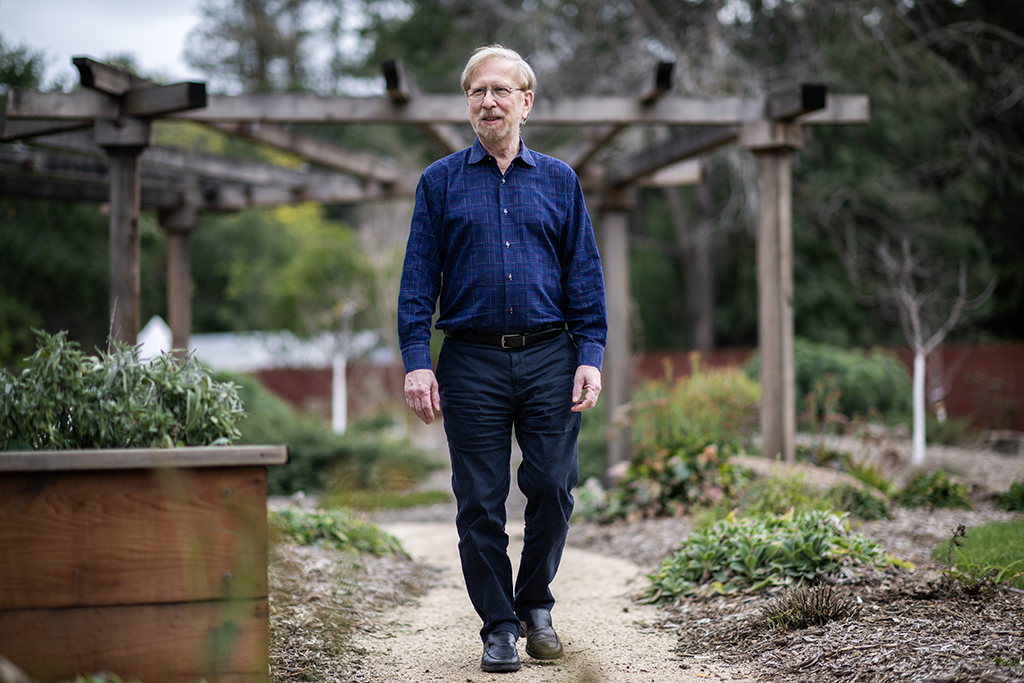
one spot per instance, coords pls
(919, 422)
(339, 393)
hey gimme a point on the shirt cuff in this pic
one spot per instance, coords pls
(590, 354)
(417, 358)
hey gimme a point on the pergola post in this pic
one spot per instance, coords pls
(615, 211)
(178, 224)
(124, 139)
(772, 144)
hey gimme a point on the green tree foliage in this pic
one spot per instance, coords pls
(273, 45)
(286, 268)
(53, 260)
(871, 383)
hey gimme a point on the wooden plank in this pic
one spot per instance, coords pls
(690, 143)
(131, 537)
(587, 110)
(298, 107)
(598, 138)
(841, 109)
(401, 88)
(319, 151)
(686, 172)
(82, 104)
(142, 458)
(221, 642)
(22, 130)
(106, 78)
(157, 100)
(788, 105)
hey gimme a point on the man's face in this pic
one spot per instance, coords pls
(496, 120)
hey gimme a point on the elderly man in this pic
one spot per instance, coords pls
(502, 235)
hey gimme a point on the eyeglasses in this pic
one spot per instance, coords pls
(500, 92)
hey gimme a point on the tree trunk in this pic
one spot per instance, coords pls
(919, 425)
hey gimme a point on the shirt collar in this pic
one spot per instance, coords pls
(477, 153)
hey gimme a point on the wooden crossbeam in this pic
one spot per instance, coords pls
(366, 165)
(588, 110)
(786, 106)
(690, 143)
(90, 104)
(428, 109)
(401, 89)
(171, 177)
(373, 167)
(597, 139)
(25, 129)
(105, 78)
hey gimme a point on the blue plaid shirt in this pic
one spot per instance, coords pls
(507, 254)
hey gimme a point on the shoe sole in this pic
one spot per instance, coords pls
(501, 668)
(545, 658)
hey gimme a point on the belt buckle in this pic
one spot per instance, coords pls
(518, 338)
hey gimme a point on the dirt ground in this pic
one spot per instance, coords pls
(412, 621)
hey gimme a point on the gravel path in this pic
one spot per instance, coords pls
(604, 632)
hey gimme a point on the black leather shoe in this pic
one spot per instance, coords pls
(500, 654)
(541, 640)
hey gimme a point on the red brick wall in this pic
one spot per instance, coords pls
(983, 382)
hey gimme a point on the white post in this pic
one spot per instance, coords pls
(919, 424)
(339, 393)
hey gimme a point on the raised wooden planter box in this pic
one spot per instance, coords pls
(150, 564)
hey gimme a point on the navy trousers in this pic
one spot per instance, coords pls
(486, 393)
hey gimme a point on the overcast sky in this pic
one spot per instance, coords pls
(153, 31)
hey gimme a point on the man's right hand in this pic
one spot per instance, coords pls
(421, 394)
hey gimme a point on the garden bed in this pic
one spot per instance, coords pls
(149, 564)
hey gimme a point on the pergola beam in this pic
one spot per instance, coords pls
(402, 89)
(693, 142)
(171, 178)
(23, 130)
(597, 139)
(366, 165)
(363, 164)
(431, 109)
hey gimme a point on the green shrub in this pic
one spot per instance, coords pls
(933, 490)
(1013, 500)
(764, 496)
(683, 435)
(757, 553)
(64, 399)
(592, 444)
(333, 529)
(321, 460)
(872, 475)
(866, 382)
(859, 503)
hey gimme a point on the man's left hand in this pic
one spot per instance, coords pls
(586, 387)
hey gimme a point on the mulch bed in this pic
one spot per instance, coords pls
(910, 626)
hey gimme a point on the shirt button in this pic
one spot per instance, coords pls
(507, 245)
(510, 277)
(505, 210)
(509, 309)
(502, 181)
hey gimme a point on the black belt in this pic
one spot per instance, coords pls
(505, 341)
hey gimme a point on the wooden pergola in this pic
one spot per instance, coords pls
(119, 109)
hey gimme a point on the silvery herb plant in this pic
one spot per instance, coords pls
(65, 399)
